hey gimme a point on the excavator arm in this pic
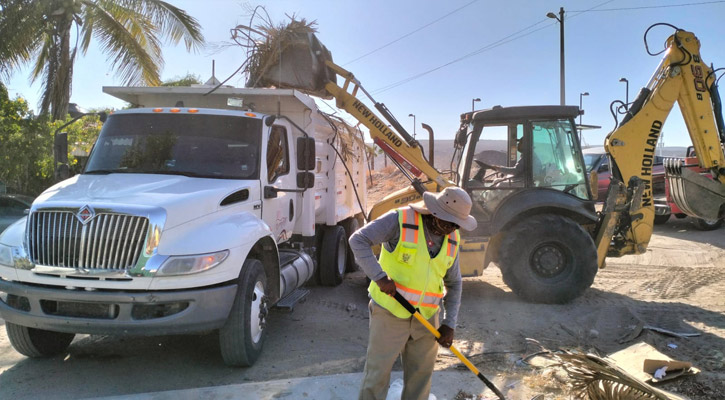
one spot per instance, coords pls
(682, 77)
(405, 152)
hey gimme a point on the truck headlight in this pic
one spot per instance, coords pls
(183, 265)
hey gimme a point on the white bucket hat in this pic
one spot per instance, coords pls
(452, 204)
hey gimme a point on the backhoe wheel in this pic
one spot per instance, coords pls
(548, 259)
(37, 343)
(350, 225)
(242, 336)
(661, 219)
(333, 256)
(708, 225)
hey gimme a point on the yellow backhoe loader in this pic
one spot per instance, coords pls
(538, 221)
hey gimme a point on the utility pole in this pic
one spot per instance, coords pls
(560, 18)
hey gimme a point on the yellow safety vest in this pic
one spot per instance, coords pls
(417, 276)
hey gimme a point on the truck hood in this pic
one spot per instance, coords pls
(183, 198)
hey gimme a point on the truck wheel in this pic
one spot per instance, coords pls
(351, 225)
(333, 256)
(661, 219)
(548, 259)
(242, 336)
(37, 343)
(708, 225)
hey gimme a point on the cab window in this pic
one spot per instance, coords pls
(556, 162)
(277, 153)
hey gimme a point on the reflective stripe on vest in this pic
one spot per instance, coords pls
(409, 230)
(452, 242)
(430, 299)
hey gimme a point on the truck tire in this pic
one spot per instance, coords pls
(351, 225)
(548, 259)
(333, 256)
(242, 336)
(37, 343)
(661, 219)
(708, 225)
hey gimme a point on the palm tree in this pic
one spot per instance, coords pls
(129, 31)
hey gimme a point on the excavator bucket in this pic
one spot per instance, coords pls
(695, 194)
(300, 64)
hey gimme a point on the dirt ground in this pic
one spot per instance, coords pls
(677, 285)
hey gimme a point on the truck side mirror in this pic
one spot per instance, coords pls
(103, 116)
(305, 154)
(305, 180)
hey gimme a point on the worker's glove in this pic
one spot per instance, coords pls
(446, 339)
(386, 286)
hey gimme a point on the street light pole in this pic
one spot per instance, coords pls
(413, 115)
(560, 18)
(626, 93)
(581, 112)
(473, 101)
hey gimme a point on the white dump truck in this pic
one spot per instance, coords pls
(196, 212)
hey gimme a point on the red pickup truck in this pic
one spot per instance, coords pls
(596, 159)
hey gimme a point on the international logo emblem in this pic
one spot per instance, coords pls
(85, 214)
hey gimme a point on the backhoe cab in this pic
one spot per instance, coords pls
(536, 216)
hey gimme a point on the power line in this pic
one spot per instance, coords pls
(488, 47)
(471, 54)
(662, 6)
(410, 33)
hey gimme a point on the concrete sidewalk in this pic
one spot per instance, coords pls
(446, 386)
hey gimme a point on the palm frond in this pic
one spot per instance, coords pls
(22, 29)
(133, 61)
(173, 23)
(273, 41)
(596, 378)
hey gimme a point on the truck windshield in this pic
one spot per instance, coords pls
(198, 145)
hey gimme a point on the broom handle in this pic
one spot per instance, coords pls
(455, 351)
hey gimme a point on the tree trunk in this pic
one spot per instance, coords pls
(58, 71)
(64, 75)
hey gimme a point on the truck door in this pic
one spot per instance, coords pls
(278, 212)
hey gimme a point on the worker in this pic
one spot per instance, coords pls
(418, 258)
(518, 171)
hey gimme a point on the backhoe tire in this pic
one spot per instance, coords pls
(242, 336)
(37, 343)
(548, 259)
(350, 225)
(333, 256)
(708, 225)
(661, 219)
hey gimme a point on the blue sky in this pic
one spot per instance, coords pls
(604, 42)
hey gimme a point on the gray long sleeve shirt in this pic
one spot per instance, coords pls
(386, 232)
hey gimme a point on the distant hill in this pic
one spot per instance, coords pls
(494, 152)
(443, 152)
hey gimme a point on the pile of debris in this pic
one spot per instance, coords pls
(285, 56)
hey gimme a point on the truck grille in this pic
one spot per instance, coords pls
(108, 241)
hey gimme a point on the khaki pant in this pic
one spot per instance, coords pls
(391, 336)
